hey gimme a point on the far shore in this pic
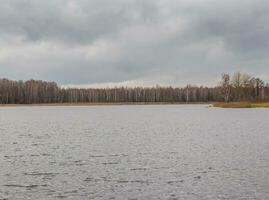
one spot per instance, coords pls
(212, 104)
(104, 104)
(241, 105)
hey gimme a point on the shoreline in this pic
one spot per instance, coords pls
(211, 104)
(241, 105)
(103, 104)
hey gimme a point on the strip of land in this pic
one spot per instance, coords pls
(215, 104)
(242, 105)
(101, 104)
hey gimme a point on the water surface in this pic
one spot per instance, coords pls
(134, 152)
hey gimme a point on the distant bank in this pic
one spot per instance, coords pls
(212, 104)
(242, 105)
(103, 104)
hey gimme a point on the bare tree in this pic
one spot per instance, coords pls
(226, 87)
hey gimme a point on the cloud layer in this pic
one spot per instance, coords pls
(82, 42)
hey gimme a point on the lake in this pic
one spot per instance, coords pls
(134, 152)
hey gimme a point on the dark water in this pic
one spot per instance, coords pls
(134, 152)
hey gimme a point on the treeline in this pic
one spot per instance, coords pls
(239, 87)
(243, 87)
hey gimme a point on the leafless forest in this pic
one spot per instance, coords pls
(238, 87)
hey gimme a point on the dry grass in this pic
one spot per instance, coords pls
(260, 105)
(242, 105)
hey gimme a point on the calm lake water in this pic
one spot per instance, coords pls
(134, 152)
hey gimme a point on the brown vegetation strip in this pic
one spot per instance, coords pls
(242, 105)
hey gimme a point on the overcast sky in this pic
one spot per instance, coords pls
(133, 42)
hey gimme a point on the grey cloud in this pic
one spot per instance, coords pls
(71, 21)
(97, 41)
